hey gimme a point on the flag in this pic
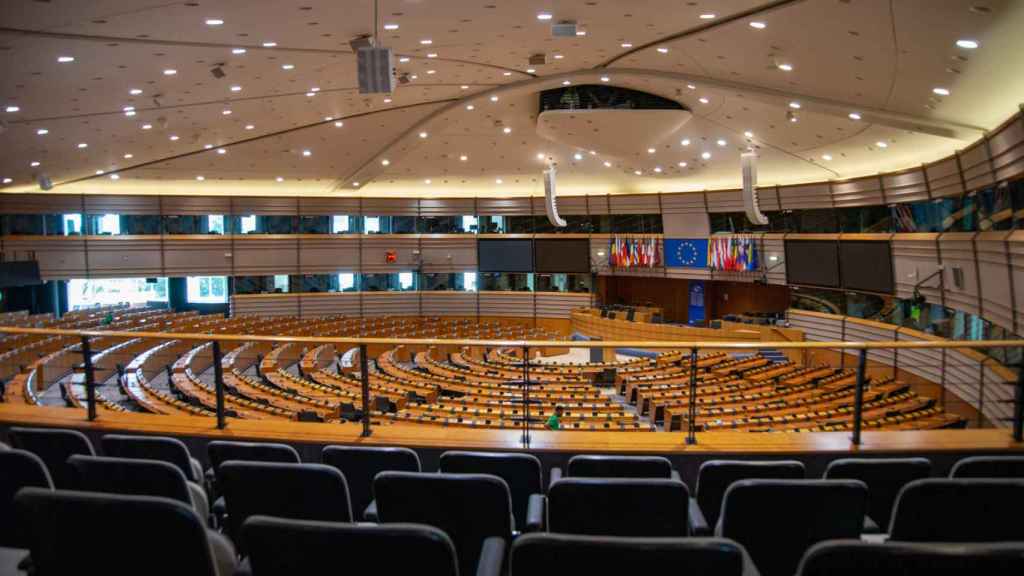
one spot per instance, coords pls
(735, 254)
(686, 252)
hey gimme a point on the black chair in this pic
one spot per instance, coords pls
(283, 547)
(361, 464)
(586, 466)
(989, 467)
(162, 448)
(220, 451)
(537, 554)
(643, 507)
(522, 473)
(715, 476)
(885, 478)
(777, 520)
(470, 508)
(68, 531)
(18, 469)
(129, 476)
(298, 491)
(955, 510)
(53, 446)
(856, 558)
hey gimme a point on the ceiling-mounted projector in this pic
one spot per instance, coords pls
(376, 70)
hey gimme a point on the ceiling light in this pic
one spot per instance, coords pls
(200, 178)
(651, 150)
(314, 89)
(497, 180)
(147, 126)
(128, 156)
(464, 87)
(33, 164)
(8, 180)
(626, 45)
(967, 44)
(657, 169)
(403, 59)
(99, 172)
(355, 184)
(463, 158)
(578, 156)
(786, 67)
(791, 116)
(506, 73)
(387, 100)
(236, 88)
(279, 179)
(307, 153)
(391, 26)
(794, 105)
(748, 134)
(708, 16)
(638, 173)
(605, 79)
(759, 25)
(65, 59)
(559, 56)
(544, 16)
(413, 77)
(115, 177)
(685, 141)
(42, 132)
(941, 91)
(531, 70)
(470, 107)
(208, 146)
(170, 72)
(721, 142)
(431, 71)
(703, 100)
(581, 32)
(269, 44)
(423, 134)
(214, 22)
(221, 151)
(540, 156)
(226, 112)
(287, 66)
(854, 115)
(566, 82)
(432, 55)
(494, 98)
(705, 155)
(173, 138)
(339, 124)
(881, 144)
(238, 50)
(249, 127)
(506, 130)
(83, 145)
(135, 91)
(691, 86)
(12, 109)
(607, 164)
(128, 109)
(826, 157)
(385, 162)
(593, 152)
(426, 41)
(663, 50)
(427, 181)
(682, 164)
(130, 113)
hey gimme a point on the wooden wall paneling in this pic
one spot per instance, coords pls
(633, 203)
(859, 192)
(449, 303)
(265, 305)
(725, 201)
(907, 186)
(768, 198)
(569, 205)
(684, 215)
(723, 298)
(773, 246)
(1006, 147)
(915, 257)
(121, 204)
(195, 205)
(328, 304)
(448, 253)
(329, 254)
(858, 330)
(944, 178)
(1015, 248)
(504, 206)
(40, 203)
(817, 327)
(374, 250)
(197, 256)
(60, 257)
(390, 206)
(321, 206)
(597, 205)
(976, 166)
(265, 254)
(559, 304)
(124, 256)
(375, 304)
(957, 251)
(264, 206)
(805, 196)
(994, 274)
(447, 206)
(506, 304)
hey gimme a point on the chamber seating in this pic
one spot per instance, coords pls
(361, 464)
(856, 558)
(18, 469)
(777, 520)
(596, 466)
(166, 449)
(714, 478)
(137, 477)
(989, 467)
(884, 477)
(521, 472)
(647, 507)
(53, 446)
(959, 510)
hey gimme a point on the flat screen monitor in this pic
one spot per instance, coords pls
(866, 266)
(505, 255)
(562, 256)
(812, 263)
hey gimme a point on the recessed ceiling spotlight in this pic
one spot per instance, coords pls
(170, 72)
(721, 142)
(651, 150)
(881, 144)
(99, 172)
(115, 177)
(339, 124)
(355, 184)
(314, 89)
(221, 151)
(494, 98)
(385, 162)
(34, 163)
(705, 155)
(135, 91)
(147, 126)
(214, 22)
(279, 179)
(128, 109)
(507, 130)
(826, 157)
(531, 70)
(470, 107)
(83, 145)
(566, 82)
(250, 127)
(708, 16)
(559, 56)
(238, 50)
(432, 55)
(691, 86)
(173, 137)
(758, 24)
(464, 87)
(426, 41)
(391, 26)
(431, 71)
(287, 66)
(791, 116)
(682, 164)
(130, 113)
(208, 146)
(786, 67)
(403, 59)
(310, 94)
(593, 152)
(307, 153)
(748, 134)
(413, 77)
(581, 32)
(967, 44)
(663, 50)
(685, 141)
(463, 158)
(387, 100)
(269, 44)
(236, 88)
(65, 59)
(544, 16)
(626, 45)
(226, 112)
(794, 105)
(605, 79)
(200, 178)
(607, 164)
(854, 115)
(577, 156)
(540, 156)
(498, 181)
(506, 73)
(703, 100)
(423, 134)
(638, 173)
(8, 180)
(128, 156)
(657, 169)
(427, 181)
(42, 132)
(941, 91)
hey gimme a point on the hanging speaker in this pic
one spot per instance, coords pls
(748, 163)
(550, 205)
(44, 182)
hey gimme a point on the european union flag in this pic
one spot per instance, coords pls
(686, 252)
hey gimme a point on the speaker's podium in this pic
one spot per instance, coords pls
(601, 354)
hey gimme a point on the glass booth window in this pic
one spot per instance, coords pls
(340, 224)
(347, 282)
(247, 224)
(468, 281)
(215, 224)
(207, 289)
(280, 283)
(72, 224)
(400, 282)
(106, 224)
(501, 281)
(87, 293)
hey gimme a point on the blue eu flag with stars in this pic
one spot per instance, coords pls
(686, 252)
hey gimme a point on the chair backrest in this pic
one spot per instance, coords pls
(959, 510)
(587, 466)
(885, 478)
(989, 467)
(361, 464)
(855, 558)
(298, 491)
(777, 520)
(129, 476)
(644, 507)
(18, 469)
(715, 476)
(170, 450)
(468, 507)
(540, 553)
(53, 446)
(522, 473)
(220, 451)
(68, 531)
(286, 547)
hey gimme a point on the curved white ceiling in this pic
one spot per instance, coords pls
(879, 58)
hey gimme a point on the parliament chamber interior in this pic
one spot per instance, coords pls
(511, 288)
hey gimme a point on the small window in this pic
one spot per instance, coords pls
(215, 224)
(470, 223)
(248, 224)
(86, 293)
(280, 283)
(72, 224)
(207, 289)
(346, 282)
(108, 224)
(372, 224)
(339, 224)
(405, 280)
(469, 281)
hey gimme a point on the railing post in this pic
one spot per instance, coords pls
(218, 384)
(858, 399)
(691, 433)
(526, 397)
(364, 372)
(1018, 406)
(981, 392)
(90, 378)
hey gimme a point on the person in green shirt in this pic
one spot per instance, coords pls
(553, 420)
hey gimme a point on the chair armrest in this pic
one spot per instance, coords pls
(675, 475)
(492, 557)
(556, 475)
(535, 511)
(698, 524)
(370, 514)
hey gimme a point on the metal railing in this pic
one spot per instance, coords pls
(524, 346)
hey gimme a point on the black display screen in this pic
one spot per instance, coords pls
(866, 266)
(562, 256)
(812, 263)
(505, 255)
